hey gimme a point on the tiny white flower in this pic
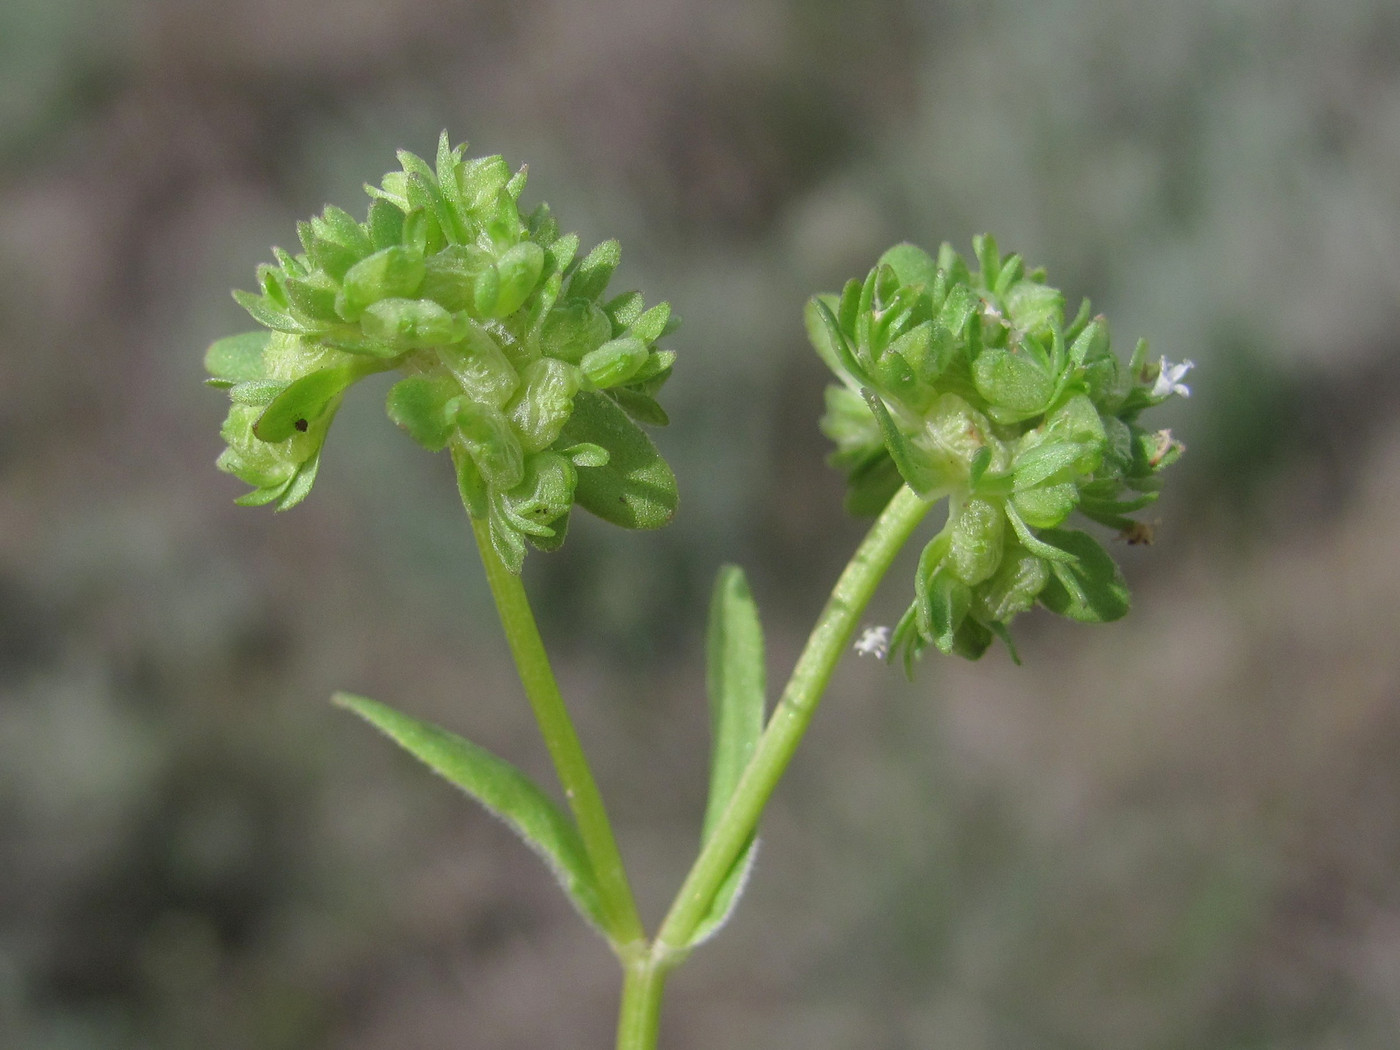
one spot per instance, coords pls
(874, 641)
(1169, 378)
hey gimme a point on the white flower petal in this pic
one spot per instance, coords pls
(1169, 378)
(874, 641)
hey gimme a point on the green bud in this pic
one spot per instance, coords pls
(574, 328)
(615, 362)
(419, 404)
(392, 273)
(1013, 588)
(977, 539)
(490, 315)
(449, 277)
(302, 403)
(1015, 385)
(518, 271)
(1046, 506)
(942, 607)
(966, 382)
(544, 494)
(479, 365)
(1034, 307)
(544, 402)
(312, 296)
(236, 358)
(954, 432)
(481, 181)
(491, 442)
(486, 291)
(410, 324)
(334, 241)
(280, 472)
(911, 264)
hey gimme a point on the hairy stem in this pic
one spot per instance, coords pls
(624, 927)
(639, 1018)
(829, 639)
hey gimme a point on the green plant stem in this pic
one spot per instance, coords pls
(639, 1018)
(624, 926)
(829, 640)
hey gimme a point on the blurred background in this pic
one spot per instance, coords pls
(1178, 831)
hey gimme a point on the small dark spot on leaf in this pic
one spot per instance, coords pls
(300, 424)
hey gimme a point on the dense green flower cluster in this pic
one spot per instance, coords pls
(511, 357)
(971, 385)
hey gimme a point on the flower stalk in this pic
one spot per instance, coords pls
(955, 381)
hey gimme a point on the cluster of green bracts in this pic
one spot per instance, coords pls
(971, 385)
(511, 357)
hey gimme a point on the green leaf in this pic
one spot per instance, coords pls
(257, 392)
(640, 407)
(652, 323)
(624, 309)
(390, 273)
(871, 484)
(596, 270)
(1103, 593)
(418, 403)
(615, 362)
(385, 224)
(559, 529)
(586, 455)
(911, 264)
(267, 313)
(573, 328)
(1034, 307)
(1058, 460)
(398, 325)
(976, 540)
(636, 489)
(831, 344)
(916, 475)
(503, 790)
(236, 358)
(1031, 542)
(946, 604)
(519, 270)
(736, 682)
(302, 403)
(1015, 386)
(300, 485)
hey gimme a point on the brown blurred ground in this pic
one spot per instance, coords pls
(1178, 831)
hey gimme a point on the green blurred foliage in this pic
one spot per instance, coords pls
(1179, 831)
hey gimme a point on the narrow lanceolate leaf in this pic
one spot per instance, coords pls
(736, 682)
(505, 791)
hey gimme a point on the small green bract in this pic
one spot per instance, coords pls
(511, 357)
(970, 385)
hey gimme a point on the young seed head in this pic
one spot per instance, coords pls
(966, 381)
(497, 329)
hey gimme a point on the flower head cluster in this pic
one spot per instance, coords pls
(971, 385)
(511, 357)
